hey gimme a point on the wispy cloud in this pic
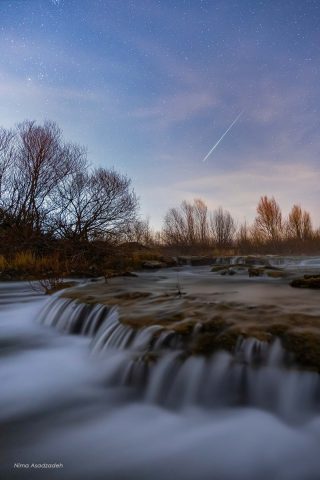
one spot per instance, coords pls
(177, 108)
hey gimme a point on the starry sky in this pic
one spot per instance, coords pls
(149, 86)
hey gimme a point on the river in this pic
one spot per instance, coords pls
(71, 411)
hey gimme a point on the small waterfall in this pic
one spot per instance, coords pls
(255, 375)
(102, 323)
(73, 317)
(156, 361)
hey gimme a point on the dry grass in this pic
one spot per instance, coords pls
(28, 261)
(22, 261)
(3, 263)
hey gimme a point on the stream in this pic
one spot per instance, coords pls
(86, 397)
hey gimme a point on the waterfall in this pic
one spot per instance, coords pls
(154, 361)
(73, 317)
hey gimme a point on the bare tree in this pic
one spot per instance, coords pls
(138, 231)
(95, 205)
(186, 225)
(268, 222)
(201, 221)
(243, 237)
(223, 228)
(41, 160)
(6, 157)
(299, 225)
(175, 229)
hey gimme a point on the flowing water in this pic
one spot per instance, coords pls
(99, 400)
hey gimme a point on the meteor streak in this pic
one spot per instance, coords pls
(221, 138)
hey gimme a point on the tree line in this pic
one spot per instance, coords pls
(50, 195)
(193, 225)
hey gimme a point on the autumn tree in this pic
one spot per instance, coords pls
(268, 222)
(223, 228)
(299, 225)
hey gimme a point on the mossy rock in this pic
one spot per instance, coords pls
(183, 327)
(278, 329)
(209, 342)
(305, 346)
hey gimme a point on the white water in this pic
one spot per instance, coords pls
(298, 262)
(92, 402)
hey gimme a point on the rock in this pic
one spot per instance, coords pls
(307, 281)
(169, 261)
(276, 273)
(153, 264)
(255, 272)
(195, 261)
(228, 271)
(219, 268)
(305, 346)
(201, 261)
(128, 274)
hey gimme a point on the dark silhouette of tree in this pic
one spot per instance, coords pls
(95, 205)
(39, 161)
(6, 158)
(47, 189)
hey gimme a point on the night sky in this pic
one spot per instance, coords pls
(150, 86)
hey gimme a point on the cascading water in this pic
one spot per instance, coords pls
(116, 402)
(256, 374)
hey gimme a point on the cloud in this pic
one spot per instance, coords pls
(176, 108)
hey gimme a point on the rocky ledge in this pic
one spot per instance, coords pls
(206, 315)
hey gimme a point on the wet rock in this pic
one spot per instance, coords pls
(203, 322)
(201, 261)
(195, 261)
(153, 265)
(305, 346)
(228, 271)
(219, 268)
(276, 273)
(169, 261)
(307, 281)
(255, 272)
